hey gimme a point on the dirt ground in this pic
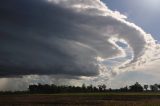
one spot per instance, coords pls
(79, 100)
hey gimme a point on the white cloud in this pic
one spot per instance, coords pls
(147, 74)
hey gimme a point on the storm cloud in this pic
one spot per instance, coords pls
(67, 37)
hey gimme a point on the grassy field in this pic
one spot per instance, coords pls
(81, 99)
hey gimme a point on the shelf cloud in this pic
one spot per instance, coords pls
(78, 38)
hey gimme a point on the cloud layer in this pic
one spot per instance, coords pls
(69, 37)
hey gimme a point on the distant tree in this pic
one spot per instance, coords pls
(136, 87)
(125, 89)
(100, 88)
(104, 87)
(145, 87)
(95, 89)
(83, 87)
(154, 87)
(158, 86)
(32, 88)
(110, 90)
(90, 88)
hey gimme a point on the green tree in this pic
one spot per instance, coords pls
(83, 87)
(158, 86)
(136, 87)
(146, 87)
(154, 87)
(104, 87)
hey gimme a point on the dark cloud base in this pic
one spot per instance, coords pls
(37, 37)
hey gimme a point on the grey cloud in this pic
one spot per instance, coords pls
(41, 38)
(53, 38)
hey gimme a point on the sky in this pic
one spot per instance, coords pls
(78, 41)
(144, 13)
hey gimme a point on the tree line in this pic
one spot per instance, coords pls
(46, 88)
(52, 88)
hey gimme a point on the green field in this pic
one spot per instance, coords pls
(81, 99)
